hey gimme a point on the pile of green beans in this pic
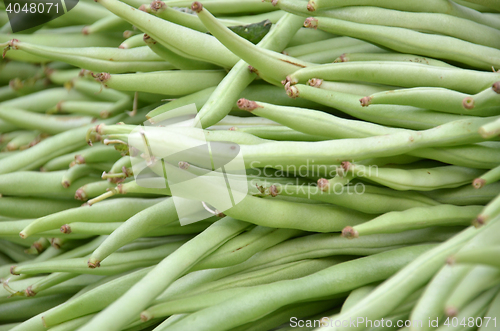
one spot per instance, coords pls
(359, 141)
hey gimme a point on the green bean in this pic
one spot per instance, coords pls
(416, 179)
(198, 98)
(176, 60)
(51, 124)
(487, 3)
(437, 23)
(32, 183)
(330, 281)
(431, 303)
(203, 47)
(392, 57)
(391, 293)
(334, 55)
(41, 101)
(309, 247)
(493, 310)
(441, 6)
(38, 246)
(7, 93)
(138, 54)
(93, 300)
(489, 177)
(481, 255)
(490, 130)
(356, 295)
(164, 82)
(476, 308)
(476, 281)
(273, 64)
(91, 63)
(74, 173)
(103, 211)
(95, 91)
(278, 154)
(6, 327)
(465, 195)
(278, 133)
(307, 36)
(88, 108)
(32, 207)
(285, 214)
(31, 85)
(413, 42)
(229, 7)
(151, 285)
(49, 148)
(90, 228)
(448, 101)
(489, 212)
(106, 24)
(24, 140)
(97, 154)
(93, 190)
(415, 218)
(20, 310)
(59, 282)
(245, 246)
(373, 200)
(301, 311)
(13, 251)
(218, 291)
(391, 73)
(133, 42)
(61, 162)
(314, 122)
(13, 227)
(115, 264)
(322, 45)
(151, 218)
(73, 324)
(118, 166)
(14, 69)
(224, 96)
(390, 115)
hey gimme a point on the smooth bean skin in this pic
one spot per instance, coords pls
(41, 101)
(213, 50)
(93, 300)
(284, 214)
(443, 24)
(21, 310)
(150, 218)
(239, 77)
(479, 279)
(218, 291)
(309, 247)
(392, 292)
(441, 6)
(431, 303)
(390, 73)
(39, 184)
(115, 264)
(176, 82)
(494, 310)
(155, 282)
(245, 246)
(20, 207)
(263, 299)
(418, 217)
(390, 115)
(418, 179)
(107, 210)
(484, 255)
(465, 195)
